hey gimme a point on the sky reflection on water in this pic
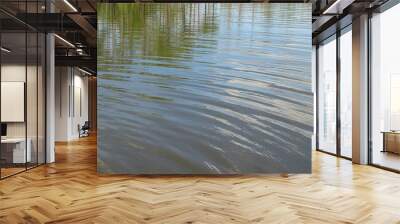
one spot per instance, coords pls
(204, 88)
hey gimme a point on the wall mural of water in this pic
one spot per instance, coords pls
(211, 88)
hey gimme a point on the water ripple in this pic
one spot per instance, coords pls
(204, 88)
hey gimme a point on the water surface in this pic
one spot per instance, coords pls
(204, 88)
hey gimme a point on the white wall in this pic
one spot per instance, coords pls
(17, 73)
(33, 125)
(13, 72)
(71, 87)
(62, 82)
(9, 73)
(79, 115)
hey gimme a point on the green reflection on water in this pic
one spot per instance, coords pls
(161, 30)
(165, 30)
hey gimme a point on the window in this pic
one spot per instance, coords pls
(327, 96)
(385, 89)
(346, 92)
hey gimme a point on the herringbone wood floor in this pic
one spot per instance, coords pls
(70, 191)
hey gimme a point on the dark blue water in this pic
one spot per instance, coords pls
(204, 88)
